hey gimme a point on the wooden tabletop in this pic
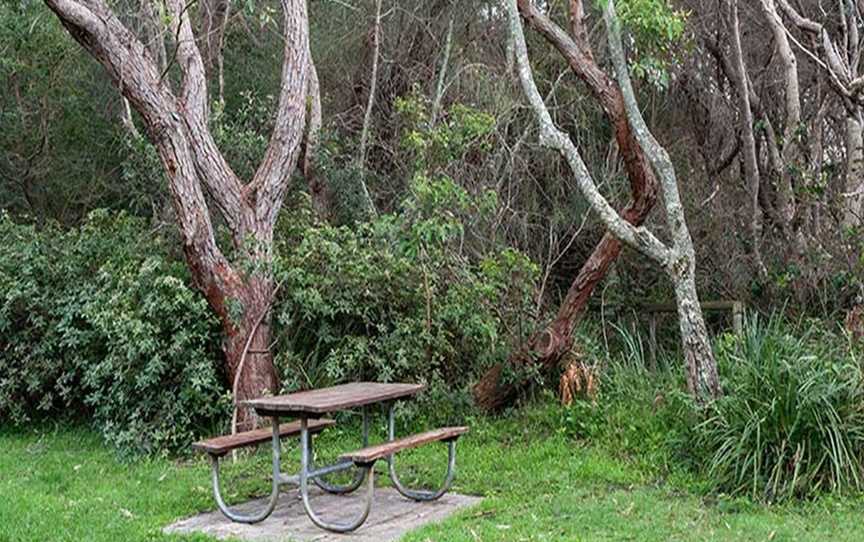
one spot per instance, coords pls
(333, 399)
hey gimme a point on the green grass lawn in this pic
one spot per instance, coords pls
(62, 484)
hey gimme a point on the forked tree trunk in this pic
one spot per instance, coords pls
(177, 125)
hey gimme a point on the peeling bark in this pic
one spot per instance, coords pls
(678, 260)
(176, 123)
(546, 346)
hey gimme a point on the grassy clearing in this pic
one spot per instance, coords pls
(61, 484)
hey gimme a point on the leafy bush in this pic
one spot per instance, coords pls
(791, 422)
(399, 298)
(96, 321)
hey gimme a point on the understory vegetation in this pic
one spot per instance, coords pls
(789, 424)
(102, 321)
(95, 319)
(388, 209)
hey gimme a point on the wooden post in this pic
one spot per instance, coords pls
(738, 318)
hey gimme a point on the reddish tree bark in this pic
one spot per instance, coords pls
(176, 122)
(546, 346)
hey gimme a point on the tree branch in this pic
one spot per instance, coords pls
(550, 136)
(270, 183)
(221, 182)
(92, 24)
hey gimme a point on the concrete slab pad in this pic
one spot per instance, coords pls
(392, 516)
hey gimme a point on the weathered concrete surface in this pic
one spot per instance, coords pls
(392, 516)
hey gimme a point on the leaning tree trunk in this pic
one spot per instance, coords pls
(702, 378)
(546, 347)
(678, 259)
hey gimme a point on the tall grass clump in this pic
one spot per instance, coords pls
(791, 421)
(641, 413)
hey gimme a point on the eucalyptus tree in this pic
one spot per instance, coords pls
(831, 39)
(548, 345)
(173, 105)
(677, 258)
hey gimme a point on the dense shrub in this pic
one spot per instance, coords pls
(96, 321)
(402, 297)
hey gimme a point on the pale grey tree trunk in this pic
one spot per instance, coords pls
(791, 153)
(751, 169)
(442, 75)
(702, 378)
(677, 260)
(854, 189)
(367, 115)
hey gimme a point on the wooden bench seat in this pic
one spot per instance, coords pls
(219, 446)
(372, 454)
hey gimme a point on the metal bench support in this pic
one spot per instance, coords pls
(418, 494)
(274, 493)
(359, 474)
(364, 471)
(308, 471)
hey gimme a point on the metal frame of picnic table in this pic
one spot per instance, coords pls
(309, 472)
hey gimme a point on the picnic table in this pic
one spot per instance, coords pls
(309, 408)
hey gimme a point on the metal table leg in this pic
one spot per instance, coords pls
(366, 470)
(274, 493)
(359, 474)
(415, 494)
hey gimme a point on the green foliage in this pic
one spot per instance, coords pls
(96, 321)
(59, 150)
(656, 27)
(655, 24)
(243, 131)
(461, 130)
(791, 422)
(399, 298)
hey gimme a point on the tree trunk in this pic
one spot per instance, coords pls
(854, 192)
(678, 259)
(214, 16)
(790, 158)
(546, 346)
(738, 73)
(249, 362)
(702, 379)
